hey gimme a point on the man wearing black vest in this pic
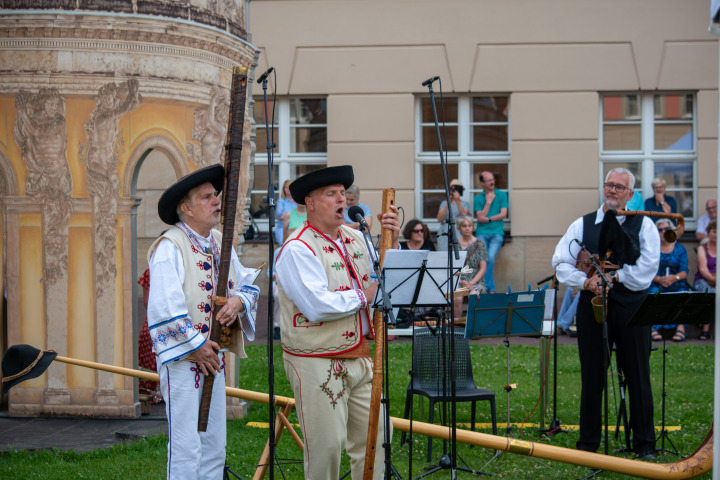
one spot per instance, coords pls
(629, 284)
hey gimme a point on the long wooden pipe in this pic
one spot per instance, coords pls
(669, 235)
(696, 464)
(386, 237)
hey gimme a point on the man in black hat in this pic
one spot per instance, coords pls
(325, 285)
(629, 284)
(184, 264)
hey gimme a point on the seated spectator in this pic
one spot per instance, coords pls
(705, 276)
(672, 275)
(418, 236)
(711, 209)
(476, 260)
(352, 198)
(660, 202)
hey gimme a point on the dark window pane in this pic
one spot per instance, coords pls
(431, 204)
(684, 202)
(490, 138)
(499, 171)
(304, 111)
(450, 108)
(669, 136)
(622, 137)
(489, 109)
(261, 140)
(675, 174)
(433, 176)
(430, 139)
(309, 139)
(301, 169)
(621, 108)
(259, 111)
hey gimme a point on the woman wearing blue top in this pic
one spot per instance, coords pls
(671, 277)
(282, 210)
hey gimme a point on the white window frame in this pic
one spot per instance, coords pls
(648, 156)
(464, 157)
(283, 158)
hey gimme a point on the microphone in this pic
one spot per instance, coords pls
(358, 214)
(265, 75)
(429, 81)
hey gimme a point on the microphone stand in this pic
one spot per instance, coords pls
(388, 319)
(270, 200)
(453, 247)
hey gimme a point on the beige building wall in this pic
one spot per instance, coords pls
(553, 58)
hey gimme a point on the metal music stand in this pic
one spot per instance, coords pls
(519, 314)
(672, 309)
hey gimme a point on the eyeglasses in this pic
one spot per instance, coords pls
(618, 188)
(663, 229)
(419, 230)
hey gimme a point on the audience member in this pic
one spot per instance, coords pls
(476, 260)
(459, 207)
(711, 209)
(705, 276)
(660, 202)
(671, 276)
(566, 317)
(491, 208)
(282, 211)
(352, 199)
(418, 236)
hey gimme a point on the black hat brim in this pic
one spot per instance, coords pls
(167, 206)
(16, 354)
(303, 186)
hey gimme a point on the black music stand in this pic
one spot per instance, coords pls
(672, 309)
(517, 314)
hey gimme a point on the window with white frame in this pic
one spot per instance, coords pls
(653, 135)
(300, 137)
(476, 138)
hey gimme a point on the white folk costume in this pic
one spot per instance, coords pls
(184, 271)
(327, 358)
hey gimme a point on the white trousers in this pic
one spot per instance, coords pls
(193, 455)
(333, 405)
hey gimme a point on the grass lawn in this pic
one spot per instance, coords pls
(689, 384)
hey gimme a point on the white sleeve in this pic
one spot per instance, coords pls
(171, 329)
(639, 276)
(304, 280)
(565, 257)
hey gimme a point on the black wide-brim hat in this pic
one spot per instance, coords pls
(301, 188)
(23, 362)
(167, 206)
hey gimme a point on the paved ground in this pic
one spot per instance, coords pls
(88, 434)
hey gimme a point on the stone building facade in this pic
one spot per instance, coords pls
(103, 104)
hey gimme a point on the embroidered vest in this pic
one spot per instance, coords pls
(199, 284)
(304, 338)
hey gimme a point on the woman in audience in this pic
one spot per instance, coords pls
(705, 276)
(282, 210)
(671, 276)
(476, 260)
(418, 236)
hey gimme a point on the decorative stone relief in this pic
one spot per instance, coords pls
(209, 130)
(100, 155)
(41, 133)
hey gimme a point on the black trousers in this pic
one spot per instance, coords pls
(633, 354)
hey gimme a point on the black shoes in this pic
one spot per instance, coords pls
(276, 333)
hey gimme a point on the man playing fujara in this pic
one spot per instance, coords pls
(627, 294)
(325, 286)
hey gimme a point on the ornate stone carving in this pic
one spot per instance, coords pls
(41, 133)
(210, 129)
(100, 155)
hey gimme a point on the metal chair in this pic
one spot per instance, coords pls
(427, 376)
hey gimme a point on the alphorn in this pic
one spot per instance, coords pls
(386, 237)
(669, 235)
(219, 333)
(690, 467)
